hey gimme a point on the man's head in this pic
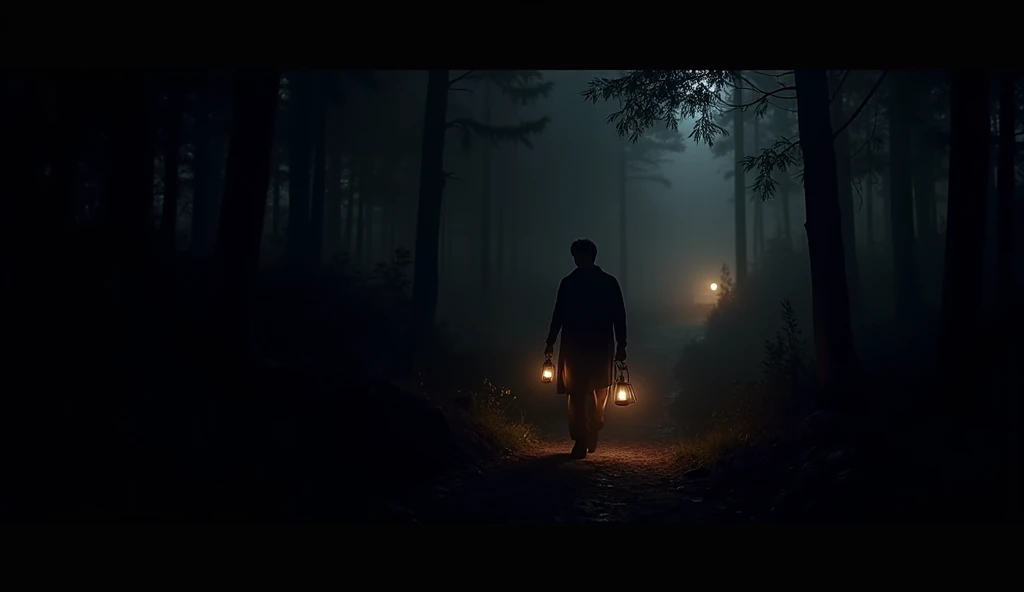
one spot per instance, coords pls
(584, 252)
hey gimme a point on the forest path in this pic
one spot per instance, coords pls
(624, 481)
(634, 476)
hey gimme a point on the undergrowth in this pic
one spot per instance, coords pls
(496, 410)
(751, 408)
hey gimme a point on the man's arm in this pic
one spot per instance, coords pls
(619, 315)
(556, 316)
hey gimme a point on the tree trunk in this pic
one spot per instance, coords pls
(624, 277)
(846, 210)
(499, 235)
(316, 203)
(209, 156)
(277, 203)
(300, 112)
(833, 339)
(350, 211)
(202, 174)
(332, 230)
(924, 187)
(886, 187)
(444, 255)
(485, 202)
(869, 198)
(758, 203)
(172, 146)
(245, 199)
(740, 189)
(368, 223)
(131, 191)
(432, 181)
(968, 163)
(1005, 196)
(390, 218)
(901, 198)
(513, 215)
(787, 216)
(67, 141)
(360, 226)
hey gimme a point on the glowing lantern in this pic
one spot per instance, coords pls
(547, 372)
(622, 391)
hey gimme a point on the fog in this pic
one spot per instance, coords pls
(304, 295)
(566, 187)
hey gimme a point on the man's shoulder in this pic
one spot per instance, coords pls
(609, 277)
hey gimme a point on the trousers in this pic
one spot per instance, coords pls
(586, 416)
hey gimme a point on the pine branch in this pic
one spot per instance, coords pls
(496, 134)
(779, 157)
(524, 95)
(649, 96)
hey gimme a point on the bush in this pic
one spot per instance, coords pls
(727, 399)
(497, 411)
(743, 356)
(337, 315)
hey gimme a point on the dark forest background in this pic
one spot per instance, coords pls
(230, 291)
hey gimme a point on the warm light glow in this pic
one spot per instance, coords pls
(547, 372)
(621, 395)
(714, 286)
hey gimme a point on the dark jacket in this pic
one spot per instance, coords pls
(589, 306)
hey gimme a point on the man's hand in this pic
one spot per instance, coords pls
(620, 354)
(549, 350)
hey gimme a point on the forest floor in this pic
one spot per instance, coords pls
(634, 476)
(624, 481)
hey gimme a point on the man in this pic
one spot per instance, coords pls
(588, 306)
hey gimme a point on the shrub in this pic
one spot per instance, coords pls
(750, 408)
(497, 410)
(731, 357)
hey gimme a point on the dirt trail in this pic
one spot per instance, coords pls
(621, 482)
(631, 478)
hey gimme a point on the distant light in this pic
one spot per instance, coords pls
(714, 286)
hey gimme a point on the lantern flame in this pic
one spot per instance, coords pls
(621, 395)
(547, 372)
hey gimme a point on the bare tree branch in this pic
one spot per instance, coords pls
(460, 77)
(780, 107)
(764, 97)
(863, 103)
(871, 136)
(839, 88)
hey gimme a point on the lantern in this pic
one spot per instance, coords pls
(547, 371)
(622, 391)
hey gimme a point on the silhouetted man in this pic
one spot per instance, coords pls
(588, 306)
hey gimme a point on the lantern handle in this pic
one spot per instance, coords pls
(623, 369)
